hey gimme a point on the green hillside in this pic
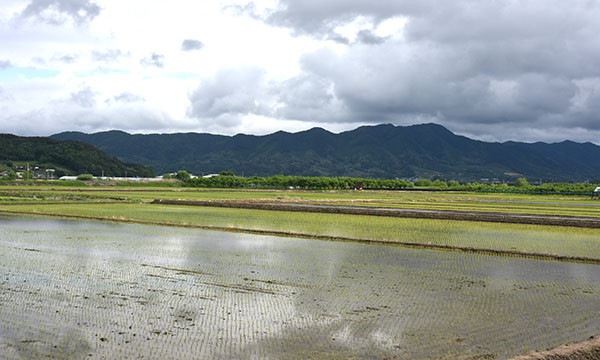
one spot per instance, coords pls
(66, 157)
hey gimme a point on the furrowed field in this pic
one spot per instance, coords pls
(80, 288)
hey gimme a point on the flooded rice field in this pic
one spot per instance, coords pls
(75, 289)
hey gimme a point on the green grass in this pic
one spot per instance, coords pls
(563, 241)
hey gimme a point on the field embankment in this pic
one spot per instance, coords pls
(585, 350)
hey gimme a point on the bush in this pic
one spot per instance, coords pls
(10, 176)
(521, 182)
(182, 175)
(440, 184)
(423, 182)
(85, 177)
(453, 183)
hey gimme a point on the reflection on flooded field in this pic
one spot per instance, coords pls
(100, 290)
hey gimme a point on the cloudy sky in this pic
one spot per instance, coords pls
(526, 70)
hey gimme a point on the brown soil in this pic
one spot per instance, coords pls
(585, 350)
(396, 212)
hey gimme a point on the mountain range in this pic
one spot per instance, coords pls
(381, 151)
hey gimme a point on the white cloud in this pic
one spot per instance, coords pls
(495, 70)
(56, 12)
(85, 97)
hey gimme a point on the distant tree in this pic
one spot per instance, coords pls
(226, 173)
(453, 183)
(27, 175)
(167, 176)
(423, 182)
(85, 177)
(521, 182)
(440, 184)
(182, 175)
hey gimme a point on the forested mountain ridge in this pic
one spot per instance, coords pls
(67, 157)
(381, 151)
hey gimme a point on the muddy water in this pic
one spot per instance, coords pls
(99, 290)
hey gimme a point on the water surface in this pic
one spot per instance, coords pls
(105, 290)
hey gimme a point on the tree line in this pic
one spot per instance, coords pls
(348, 183)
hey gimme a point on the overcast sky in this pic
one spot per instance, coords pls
(526, 70)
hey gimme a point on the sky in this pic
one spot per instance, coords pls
(522, 70)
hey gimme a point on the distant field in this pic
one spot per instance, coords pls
(125, 204)
(566, 205)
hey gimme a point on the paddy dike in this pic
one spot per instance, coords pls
(530, 219)
(585, 350)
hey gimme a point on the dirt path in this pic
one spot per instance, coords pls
(397, 212)
(585, 350)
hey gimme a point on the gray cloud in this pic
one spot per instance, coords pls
(475, 67)
(310, 98)
(5, 64)
(230, 94)
(85, 97)
(367, 37)
(320, 18)
(127, 97)
(56, 12)
(157, 60)
(191, 44)
(233, 93)
(107, 55)
(67, 59)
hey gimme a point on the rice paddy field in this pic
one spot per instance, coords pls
(569, 205)
(129, 287)
(75, 289)
(554, 240)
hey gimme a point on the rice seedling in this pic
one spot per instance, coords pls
(78, 289)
